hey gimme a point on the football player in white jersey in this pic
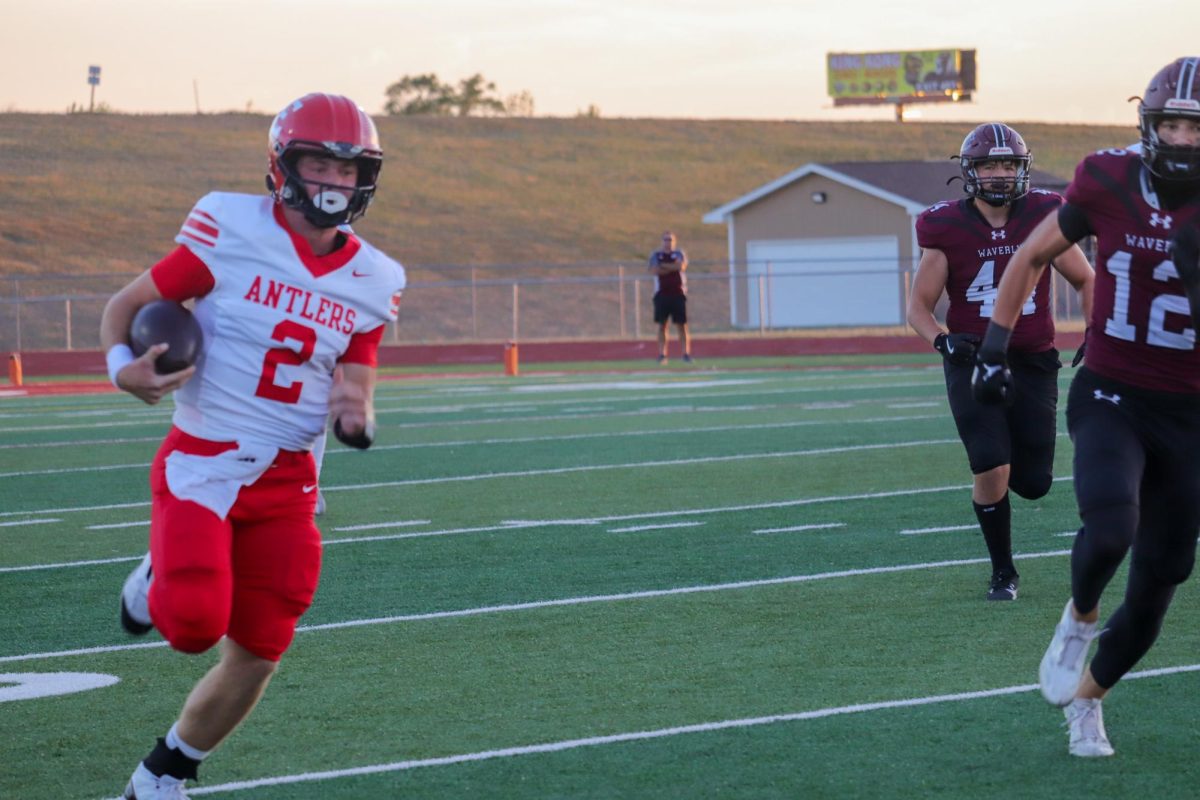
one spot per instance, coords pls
(286, 295)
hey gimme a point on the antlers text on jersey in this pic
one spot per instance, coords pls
(301, 302)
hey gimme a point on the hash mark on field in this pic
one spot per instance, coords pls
(913, 405)
(373, 526)
(141, 523)
(18, 523)
(821, 526)
(655, 527)
(917, 531)
(649, 735)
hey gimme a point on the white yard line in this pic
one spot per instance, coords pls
(919, 531)
(573, 601)
(530, 440)
(660, 526)
(21, 522)
(649, 735)
(822, 526)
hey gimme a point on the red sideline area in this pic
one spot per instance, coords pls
(47, 363)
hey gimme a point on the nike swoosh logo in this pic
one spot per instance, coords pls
(308, 489)
(358, 274)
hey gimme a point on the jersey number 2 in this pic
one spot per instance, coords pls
(267, 387)
(983, 291)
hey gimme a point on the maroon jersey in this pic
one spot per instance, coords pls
(673, 282)
(1140, 331)
(977, 255)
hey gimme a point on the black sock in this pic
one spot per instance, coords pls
(995, 521)
(164, 760)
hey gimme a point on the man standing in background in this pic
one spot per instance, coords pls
(668, 265)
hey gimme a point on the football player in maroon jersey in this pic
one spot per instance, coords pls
(1134, 408)
(966, 246)
(668, 265)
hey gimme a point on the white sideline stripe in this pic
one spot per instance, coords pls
(659, 733)
(20, 522)
(572, 601)
(64, 564)
(656, 527)
(821, 526)
(552, 471)
(916, 531)
(398, 524)
(525, 440)
(914, 405)
(39, 445)
(136, 524)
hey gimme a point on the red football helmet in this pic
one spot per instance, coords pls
(330, 125)
(995, 141)
(1173, 92)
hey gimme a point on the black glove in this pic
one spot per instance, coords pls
(1185, 252)
(992, 382)
(957, 348)
(1078, 359)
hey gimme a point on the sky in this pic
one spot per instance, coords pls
(1038, 60)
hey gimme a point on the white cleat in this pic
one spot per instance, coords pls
(145, 785)
(320, 509)
(135, 599)
(1062, 665)
(1085, 719)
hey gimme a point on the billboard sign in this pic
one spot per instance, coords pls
(901, 76)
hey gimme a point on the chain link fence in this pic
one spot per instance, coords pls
(529, 302)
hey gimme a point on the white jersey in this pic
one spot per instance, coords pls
(273, 328)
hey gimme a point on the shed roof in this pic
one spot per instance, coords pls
(913, 185)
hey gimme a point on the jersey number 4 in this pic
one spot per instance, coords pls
(983, 291)
(267, 387)
(1118, 325)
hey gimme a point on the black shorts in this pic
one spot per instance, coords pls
(670, 306)
(1022, 435)
(1138, 448)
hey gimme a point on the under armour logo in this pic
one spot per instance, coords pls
(1115, 399)
(1156, 220)
(998, 235)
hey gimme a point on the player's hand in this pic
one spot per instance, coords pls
(957, 348)
(140, 380)
(1078, 359)
(352, 414)
(1185, 253)
(992, 382)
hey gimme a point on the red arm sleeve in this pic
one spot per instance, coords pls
(364, 348)
(182, 275)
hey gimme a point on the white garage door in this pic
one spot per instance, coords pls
(808, 283)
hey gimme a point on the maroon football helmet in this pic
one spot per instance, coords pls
(329, 125)
(995, 141)
(1173, 92)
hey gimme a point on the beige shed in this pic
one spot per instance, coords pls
(833, 244)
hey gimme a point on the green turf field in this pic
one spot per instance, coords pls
(679, 583)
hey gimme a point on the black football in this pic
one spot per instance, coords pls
(167, 321)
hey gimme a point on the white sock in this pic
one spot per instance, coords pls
(175, 743)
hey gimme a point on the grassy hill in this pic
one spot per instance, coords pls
(85, 194)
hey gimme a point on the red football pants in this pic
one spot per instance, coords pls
(250, 576)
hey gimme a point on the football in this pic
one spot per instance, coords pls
(166, 321)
